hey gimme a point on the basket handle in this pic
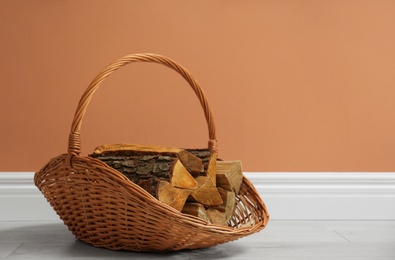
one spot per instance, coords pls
(74, 145)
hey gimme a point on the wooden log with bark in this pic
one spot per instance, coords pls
(191, 162)
(161, 174)
(150, 168)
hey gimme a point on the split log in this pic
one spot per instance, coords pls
(216, 217)
(229, 175)
(212, 168)
(190, 161)
(229, 202)
(209, 161)
(172, 196)
(182, 178)
(195, 209)
(206, 192)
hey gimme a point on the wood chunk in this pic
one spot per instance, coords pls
(212, 168)
(209, 161)
(206, 193)
(182, 178)
(216, 217)
(195, 209)
(190, 161)
(229, 202)
(172, 196)
(229, 175)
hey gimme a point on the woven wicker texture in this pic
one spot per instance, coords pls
(102, 207)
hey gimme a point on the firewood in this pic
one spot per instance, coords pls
(204, 154)
(195, 209)
(229, 175)
(206, 193)
(212, 168)
(190, 161)
(191, 181)
(209, 161)
(182, 178)
(216, 217)
(147, 170)
(171, 196)
(229, 202)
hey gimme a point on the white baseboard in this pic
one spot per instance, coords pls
(288, 196)
(331, 195)
(21, 200)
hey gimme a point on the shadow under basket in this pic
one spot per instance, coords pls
(102, 207)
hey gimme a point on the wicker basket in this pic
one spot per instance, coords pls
(102, 207)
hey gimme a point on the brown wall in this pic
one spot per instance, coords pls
(294, 85)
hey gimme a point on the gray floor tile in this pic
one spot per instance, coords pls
(304, 240)
(319, 249)
(77, 249)
(375, 231)
(7, 248)
(299, 234)
(38, 233)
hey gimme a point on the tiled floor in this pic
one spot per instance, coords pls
(296, 240)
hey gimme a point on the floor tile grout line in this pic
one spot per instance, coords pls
(15, 250)
(342, 236)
